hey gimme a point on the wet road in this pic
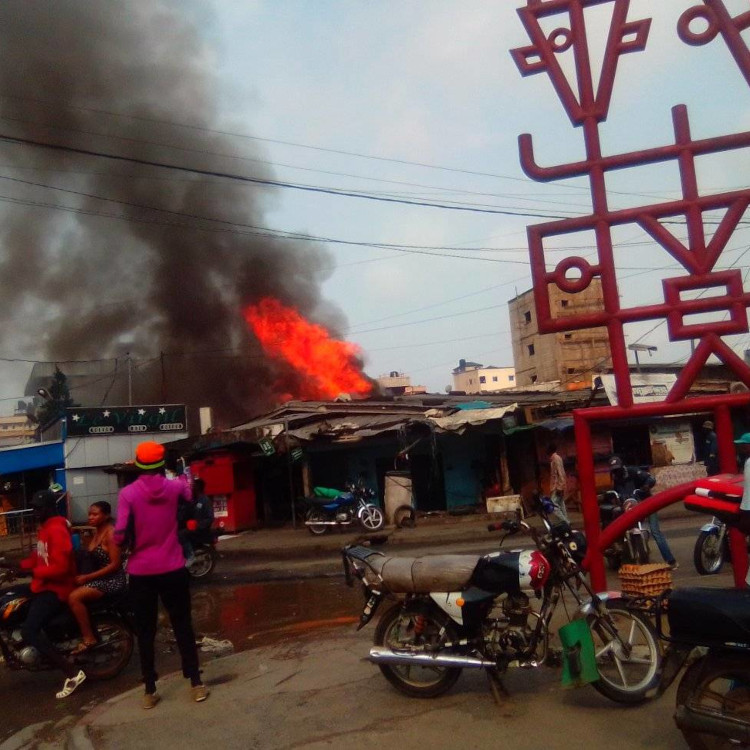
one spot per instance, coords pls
(311, 596)
(248, 615)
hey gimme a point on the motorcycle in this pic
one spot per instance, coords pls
(711, 548)
(204, 552)
(474, 612)
(634, 546)
(329, 508)
(712, 626)
(110, 618)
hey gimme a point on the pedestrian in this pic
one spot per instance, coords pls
(557, 482)
(626, 480)
(198, 518)
(147, 522)
(743, 446)
(710, 449)
(102, 575)
(53, 570)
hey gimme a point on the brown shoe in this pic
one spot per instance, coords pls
(199, 693)
(149, 700)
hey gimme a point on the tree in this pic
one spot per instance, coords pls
(59, 399)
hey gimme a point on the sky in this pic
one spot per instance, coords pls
(422, 102)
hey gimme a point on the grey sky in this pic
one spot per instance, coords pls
(431, 82)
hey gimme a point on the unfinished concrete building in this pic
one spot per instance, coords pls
(572, 358)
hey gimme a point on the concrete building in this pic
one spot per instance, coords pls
(16, 430)
(574, 357)
(472, 377)
(398, 384)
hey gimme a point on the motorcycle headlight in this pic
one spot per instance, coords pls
(577, 546)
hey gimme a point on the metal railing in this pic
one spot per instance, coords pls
(17, 529)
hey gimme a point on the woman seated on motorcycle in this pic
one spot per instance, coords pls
(106, 577)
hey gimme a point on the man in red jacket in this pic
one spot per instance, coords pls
(53, 571)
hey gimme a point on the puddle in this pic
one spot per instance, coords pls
(261, 614)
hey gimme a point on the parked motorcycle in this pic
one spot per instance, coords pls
(110, 618)
(474, 612)
(331, 508)
(634, 545)
(711, 548)
(204, 551)
(713, 697)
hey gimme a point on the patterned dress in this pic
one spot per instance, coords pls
(114, 583)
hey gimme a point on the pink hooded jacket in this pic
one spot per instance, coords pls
(152, 499)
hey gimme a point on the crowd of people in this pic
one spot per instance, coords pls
(146, 533)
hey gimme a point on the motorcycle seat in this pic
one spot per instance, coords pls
(707, 616)
(322, 501)
(423, 575)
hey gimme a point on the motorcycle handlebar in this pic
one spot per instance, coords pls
(512, 527)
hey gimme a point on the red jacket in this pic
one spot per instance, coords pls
(52, 564)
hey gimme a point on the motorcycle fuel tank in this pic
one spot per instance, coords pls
(13, 606)
(512, 572)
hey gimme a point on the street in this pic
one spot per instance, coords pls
(311, 599)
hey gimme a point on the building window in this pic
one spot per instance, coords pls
(482, 379)
(563, 303)
(571, 370)
(511, 378)
(568, 336)
(533, 378)
(494, 378)
(530, 347)
(527, 316)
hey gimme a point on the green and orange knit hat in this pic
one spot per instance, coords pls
(149, 455)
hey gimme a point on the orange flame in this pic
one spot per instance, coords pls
(327, 367)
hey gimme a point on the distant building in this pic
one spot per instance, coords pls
(472, 377)
(398, 384)
(16, 430)
(573, 358)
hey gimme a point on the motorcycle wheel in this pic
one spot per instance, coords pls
(396, 630)
(708, 555)
(719, 687)
(614, 560)
(111, 654)
(203, 565)
(625, 678)
(316, 529)
(371, 518)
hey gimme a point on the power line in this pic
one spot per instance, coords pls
(456, 206)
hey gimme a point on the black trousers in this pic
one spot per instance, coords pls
(44, 606)
(174, 591)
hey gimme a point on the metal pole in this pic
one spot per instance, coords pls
(289, 473)
(130, 380)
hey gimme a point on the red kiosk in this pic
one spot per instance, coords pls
(230, 484)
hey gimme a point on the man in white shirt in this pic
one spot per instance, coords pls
(743, 445)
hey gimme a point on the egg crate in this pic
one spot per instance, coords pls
(645, 580)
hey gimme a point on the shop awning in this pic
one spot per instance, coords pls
(471, 418)
(29, 457)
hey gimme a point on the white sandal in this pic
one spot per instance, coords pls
(71, 684)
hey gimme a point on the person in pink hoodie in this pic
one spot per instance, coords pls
(147, 523)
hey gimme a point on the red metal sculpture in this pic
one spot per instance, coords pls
(587, 106)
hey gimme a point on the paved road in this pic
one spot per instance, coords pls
(246, 605)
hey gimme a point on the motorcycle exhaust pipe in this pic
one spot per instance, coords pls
(328, 523)
(380, 655)
(690, 719)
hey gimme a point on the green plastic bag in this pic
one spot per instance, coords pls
(579, 657)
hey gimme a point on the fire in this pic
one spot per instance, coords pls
(327, 367)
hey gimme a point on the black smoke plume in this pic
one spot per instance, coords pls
(83, 278)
